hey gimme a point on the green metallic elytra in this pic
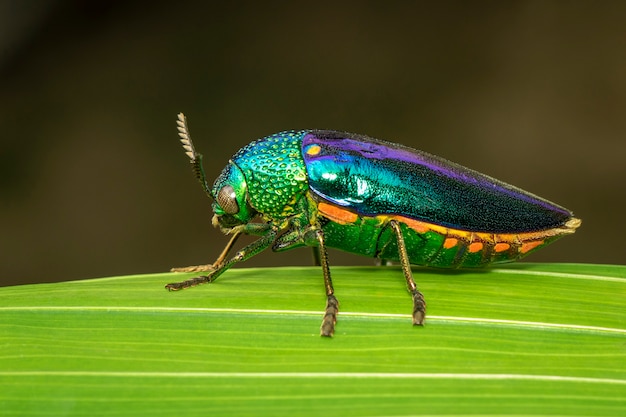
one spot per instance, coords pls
(374, 198)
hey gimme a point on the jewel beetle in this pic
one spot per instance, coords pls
(324, 188)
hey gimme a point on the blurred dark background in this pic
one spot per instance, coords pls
(93, 181)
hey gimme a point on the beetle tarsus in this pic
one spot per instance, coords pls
(419, 308)
(330, 317)
(332, 305)
(177, 286)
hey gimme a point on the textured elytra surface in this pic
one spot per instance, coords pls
(374, 177)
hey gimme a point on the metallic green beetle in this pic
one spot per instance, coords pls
(324, 188)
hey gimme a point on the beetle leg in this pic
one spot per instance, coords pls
(214, 265)
(419, 304)
(256, 229)
(294, 238)
(314, 237)
(332, 305)
(246, 253)
(316, 256)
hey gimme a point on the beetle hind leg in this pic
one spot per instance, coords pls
(419, 304)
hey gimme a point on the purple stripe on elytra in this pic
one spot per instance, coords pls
(380, 150)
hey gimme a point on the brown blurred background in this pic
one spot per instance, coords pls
(93, 181)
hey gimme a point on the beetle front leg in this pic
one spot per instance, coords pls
(419, 304)
(256, 229)
(246, 253)
(210, 267)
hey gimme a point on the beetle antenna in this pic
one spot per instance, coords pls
(194, 157)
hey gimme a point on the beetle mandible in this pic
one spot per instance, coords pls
(324, 188)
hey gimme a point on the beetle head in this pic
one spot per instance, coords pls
(230, 199)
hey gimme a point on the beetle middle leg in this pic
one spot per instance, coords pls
(332, 305)
(419, 304)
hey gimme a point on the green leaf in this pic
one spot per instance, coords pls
(528, 339)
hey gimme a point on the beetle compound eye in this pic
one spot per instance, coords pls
(227, 199)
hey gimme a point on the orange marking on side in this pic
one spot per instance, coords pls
(528, 246)
(450, 242)
(337, 214)
(502, 242)
(475, 247)
(418, 226)
(501, 247)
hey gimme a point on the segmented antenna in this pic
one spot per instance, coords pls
(194, 157)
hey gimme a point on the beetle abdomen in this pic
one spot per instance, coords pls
(438, 246)
(430, 244)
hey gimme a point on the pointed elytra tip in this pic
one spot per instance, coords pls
(573, 223)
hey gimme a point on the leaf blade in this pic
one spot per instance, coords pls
(252, 337)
